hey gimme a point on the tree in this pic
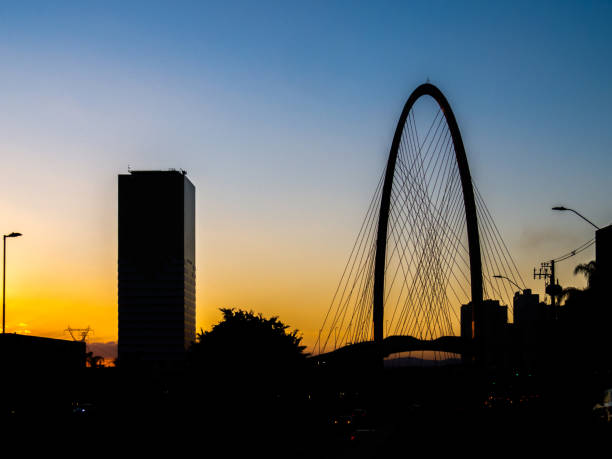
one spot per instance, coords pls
(94, 361)
(587, 318)
(248, 375)
(589, 270)
(248, 339)
(575, 295)
(572, 295)
(248, 356)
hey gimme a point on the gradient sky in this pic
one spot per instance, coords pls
(282, 113)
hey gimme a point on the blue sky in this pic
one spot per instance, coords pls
(283, 113)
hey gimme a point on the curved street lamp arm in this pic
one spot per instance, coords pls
(509, 280)
(577, 213)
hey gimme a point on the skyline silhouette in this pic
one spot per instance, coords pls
(398, 212)
(285, 156)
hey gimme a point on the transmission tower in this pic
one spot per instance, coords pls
(79, 334)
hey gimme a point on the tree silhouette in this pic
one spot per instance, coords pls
(587, 319)
(94, 361)
(246, 368)
(245, 342)
(572, 295)
(590, 272)
(575, 295)
(248, 376)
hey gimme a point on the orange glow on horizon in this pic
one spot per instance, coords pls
(63, 271)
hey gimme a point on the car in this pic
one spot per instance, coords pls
(341, 421)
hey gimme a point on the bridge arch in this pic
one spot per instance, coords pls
(476, 287)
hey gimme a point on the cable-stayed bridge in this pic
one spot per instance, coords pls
(427, 245)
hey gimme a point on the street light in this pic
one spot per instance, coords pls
(509, 280)
(581, 216)
(4, 278)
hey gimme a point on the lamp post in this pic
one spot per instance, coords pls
(581, 216)
(509, 280)
(4, 279)
(561, 208)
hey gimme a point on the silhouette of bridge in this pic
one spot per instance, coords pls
(427, 245)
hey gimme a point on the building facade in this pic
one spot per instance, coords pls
(488, 344)
(603, 254)
(156, 268)
(534, 324)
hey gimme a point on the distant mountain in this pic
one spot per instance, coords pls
(107, 350)
(417, 362)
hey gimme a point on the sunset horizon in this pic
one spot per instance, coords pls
(283, 119)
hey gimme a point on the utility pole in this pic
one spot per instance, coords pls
(547, 272)
(4, 279)
(552, 283)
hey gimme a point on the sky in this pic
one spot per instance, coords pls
(282, 114)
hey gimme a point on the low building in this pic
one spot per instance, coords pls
(25, 352)
(40, 376)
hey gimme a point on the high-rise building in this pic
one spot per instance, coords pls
(156, 268)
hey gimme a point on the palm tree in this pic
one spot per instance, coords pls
(577, 295)
(589, 270)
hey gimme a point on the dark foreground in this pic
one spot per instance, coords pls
(321, 413)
